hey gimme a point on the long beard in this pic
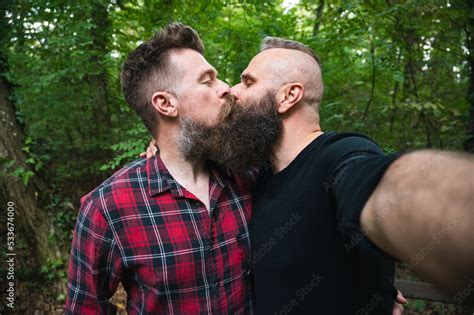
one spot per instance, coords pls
(243, 138)
(248, 135)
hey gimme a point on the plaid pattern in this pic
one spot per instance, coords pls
(141, 228)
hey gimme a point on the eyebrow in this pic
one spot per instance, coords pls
(246, 76)
(208, 72)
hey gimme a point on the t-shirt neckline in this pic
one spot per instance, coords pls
(300, 155)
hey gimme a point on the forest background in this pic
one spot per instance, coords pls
(399, 71)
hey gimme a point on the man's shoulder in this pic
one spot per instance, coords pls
(121, 181)
(333, 149)
(347, 139)
(340, 144)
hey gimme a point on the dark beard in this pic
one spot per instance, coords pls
(243, 137)
(197, 140)
(247, 136)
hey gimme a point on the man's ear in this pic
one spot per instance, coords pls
(165, 103)
(288, 96)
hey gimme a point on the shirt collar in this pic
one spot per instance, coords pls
(219, 174)
(160, 179)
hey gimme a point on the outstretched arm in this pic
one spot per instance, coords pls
(422, 212)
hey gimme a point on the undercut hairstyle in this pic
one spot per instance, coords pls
(270, 42)
(148, 69)
(312, 77)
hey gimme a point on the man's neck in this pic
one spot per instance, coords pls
(180, 168)
(291, 143)
(192, 175)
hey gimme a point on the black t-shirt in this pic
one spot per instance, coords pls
(308, 253)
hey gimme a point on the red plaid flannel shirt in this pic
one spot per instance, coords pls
(141, 228)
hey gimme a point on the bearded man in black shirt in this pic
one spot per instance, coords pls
(331, 204)
(308, 255)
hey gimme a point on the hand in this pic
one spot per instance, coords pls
(150, 151)
(398, 305)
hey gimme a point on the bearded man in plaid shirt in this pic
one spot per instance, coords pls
(173, 229)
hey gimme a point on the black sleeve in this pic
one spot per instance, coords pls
(358, 166)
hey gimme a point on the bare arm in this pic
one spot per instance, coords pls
(422, 213)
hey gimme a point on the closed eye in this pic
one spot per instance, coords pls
(208, 77)
(247, 80)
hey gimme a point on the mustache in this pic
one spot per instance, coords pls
(228, 108)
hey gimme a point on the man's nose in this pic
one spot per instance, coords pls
(223, 90)
(234, 91)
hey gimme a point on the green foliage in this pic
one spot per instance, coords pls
(64, 219)
(403, 65)
(54, 270)
(9, 168)
(130, 148)
(397, 71)
(22, 173)
(60, 56)
(417, 305)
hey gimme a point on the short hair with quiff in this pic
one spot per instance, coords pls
(148, 68)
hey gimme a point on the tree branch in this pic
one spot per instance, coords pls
(319, 15)
(372, 52)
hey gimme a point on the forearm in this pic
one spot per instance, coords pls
(422, 212)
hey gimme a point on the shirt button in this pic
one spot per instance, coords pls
(247, 272)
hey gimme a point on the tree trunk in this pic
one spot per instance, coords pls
(469, 28)
(318, 17)
(99, 80)
(31, 223)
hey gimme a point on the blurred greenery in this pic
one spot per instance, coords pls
(398, 71)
